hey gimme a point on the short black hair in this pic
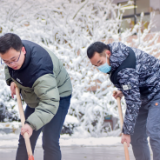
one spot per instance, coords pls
(10, 40)
(96, 47)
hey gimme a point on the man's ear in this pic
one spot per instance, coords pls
(108, 53)
(23, 50)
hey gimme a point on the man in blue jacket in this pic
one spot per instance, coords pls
(46, 88)
(136, 74)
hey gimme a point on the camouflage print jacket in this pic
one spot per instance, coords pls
(146, 74)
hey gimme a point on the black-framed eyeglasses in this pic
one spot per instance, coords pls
(9, 63)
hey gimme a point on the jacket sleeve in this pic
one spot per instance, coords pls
(7, 76)
(129, 83)
(46, 90)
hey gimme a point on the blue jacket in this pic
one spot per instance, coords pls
(146, 74)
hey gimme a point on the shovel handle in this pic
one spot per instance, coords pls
(126, 152)
(120, 111)
(21, 112)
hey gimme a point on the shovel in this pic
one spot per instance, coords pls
(26, 136)
(126, 152)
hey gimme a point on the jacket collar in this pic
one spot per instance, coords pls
(27, 58)
(116, 58)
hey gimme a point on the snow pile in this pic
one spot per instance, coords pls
(68, 28)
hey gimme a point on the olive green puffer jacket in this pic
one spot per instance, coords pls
(42, 80)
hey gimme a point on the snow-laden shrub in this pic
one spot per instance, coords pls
(69, 125)
(68, 28)
(8, 108)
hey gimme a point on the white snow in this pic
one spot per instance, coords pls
(103, 141)
(70, 119)
(11, 141)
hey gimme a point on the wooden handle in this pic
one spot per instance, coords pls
(120, 112)
(21, 112)
(126, 152)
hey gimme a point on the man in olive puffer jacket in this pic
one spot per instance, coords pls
(45, 87)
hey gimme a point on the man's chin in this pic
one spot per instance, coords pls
(16, 68)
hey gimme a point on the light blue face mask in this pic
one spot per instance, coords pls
(105, 68)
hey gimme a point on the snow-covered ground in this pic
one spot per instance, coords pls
(78, 138)
(11, 141)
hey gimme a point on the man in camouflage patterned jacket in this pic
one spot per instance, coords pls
(136, 74)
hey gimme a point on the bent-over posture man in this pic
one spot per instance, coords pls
(136, 74)
(45, 87)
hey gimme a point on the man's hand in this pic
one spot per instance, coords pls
(13, 89)
(117, 94)
(126, 138)
(27, 128)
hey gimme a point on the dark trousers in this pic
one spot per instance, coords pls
(147, 125)
(51, 134)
